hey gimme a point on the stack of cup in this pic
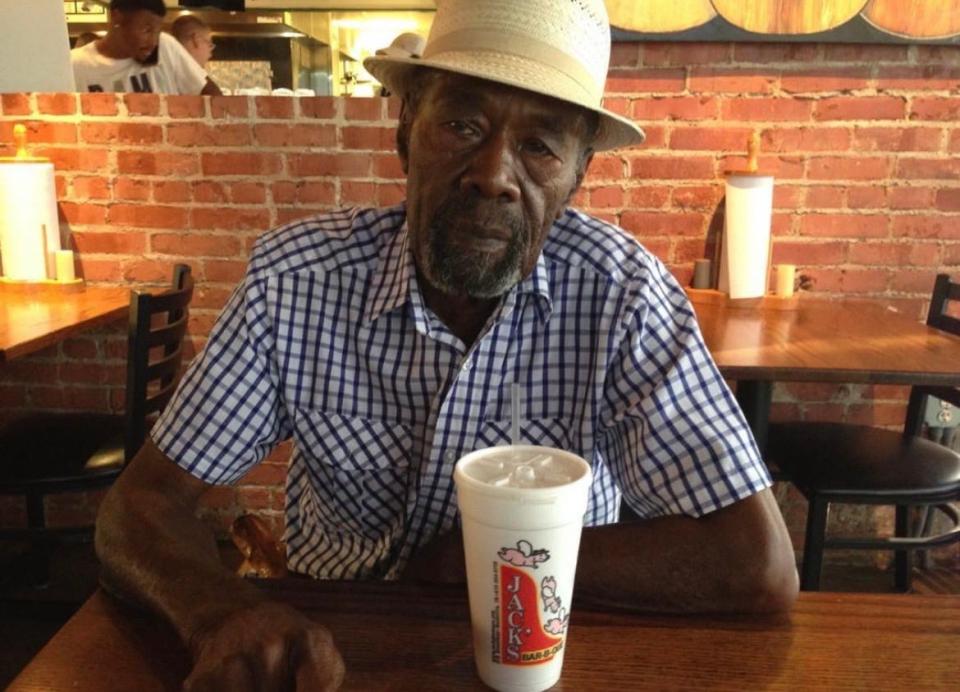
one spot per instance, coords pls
(522, 510)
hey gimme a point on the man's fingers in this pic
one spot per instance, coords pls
(318, 663)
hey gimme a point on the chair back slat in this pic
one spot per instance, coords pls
(944, 292)
(155, 321)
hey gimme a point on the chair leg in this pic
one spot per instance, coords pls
(813, 544)
(903, 567)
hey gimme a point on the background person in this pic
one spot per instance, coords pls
(194, 35)
(135, 56)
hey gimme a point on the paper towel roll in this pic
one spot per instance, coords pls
(29, 228)
(745, 255)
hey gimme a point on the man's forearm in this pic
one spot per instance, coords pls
(154, 551)
(736, 560)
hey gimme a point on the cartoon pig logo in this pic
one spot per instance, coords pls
(524, 555)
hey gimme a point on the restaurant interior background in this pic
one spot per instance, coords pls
(863, 139)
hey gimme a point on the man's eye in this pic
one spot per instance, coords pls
(461, 127)
(537, 147)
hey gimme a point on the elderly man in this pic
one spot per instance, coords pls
(194, 35)
(385, 343)
(136, 56)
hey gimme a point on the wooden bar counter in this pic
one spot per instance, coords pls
(417, 637)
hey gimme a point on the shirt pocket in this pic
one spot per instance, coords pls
(547, 432)
(359, 470)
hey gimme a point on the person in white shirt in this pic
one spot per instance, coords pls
(135, 56)
(195, 36)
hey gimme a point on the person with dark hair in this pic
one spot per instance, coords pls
(387, 342)
(136, 56)
(194, 35)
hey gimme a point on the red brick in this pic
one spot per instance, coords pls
(82, 213)
(686, 250)
(376, 138)
(647, 197)
(92, 373)
(125, 242)
(897, 138)
(159, 163)
(948, 199)
(266, 475)
(230, 218)
(942, 227)
(80, 348)
(99, 104)
(788, 196)
(656, 136)
(867, 197)
(194, 244)
(355, 109)
(646, 81)
(672, 167)
(224, 271)
(148, 216)
(861, 108)
(100, 270)
(357, 192)
(775, 52)
(663, 223)
(624, 54)
(131, 189)
(240, 164)
(609, 196)
(387, 166)
(911, 197)
(849, 280)
(346, 165)
(778, 109)
(824, 197)
(320, 107)
(783, 167)
(928, 168)
(699, 198)
(87, 160)
(391, 194)
(619, 105)
(299, 135)
(210, 298)
(248, 193)
(918, 77)
(935, 108)
(852, 168)
(913, 280)
(676, 108)
(782, 224)
(683, 54)
(864, 54)
(172, 191)
(46, 133)
(811, 80)
(274, 106)
(795, 139)
(84, 187)
(814, 391)
(843, 225)
(806, 253)
(607, 167)
(710, 138)
(738, 80)
(222, 107)
(202, 135)
(880, 253)
(924, 254)
(57, 104)
(142, 104)
(182, 107)
(206, 192)
(16, 104)
(876, 415)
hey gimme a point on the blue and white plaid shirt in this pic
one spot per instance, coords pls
(328, 340)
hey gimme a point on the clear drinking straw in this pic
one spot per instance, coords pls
(515, 414)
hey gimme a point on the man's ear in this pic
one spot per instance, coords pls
(582, 165)
(403, 135)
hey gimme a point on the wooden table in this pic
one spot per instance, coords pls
(417, 637)
(822, 341)
(33, 317)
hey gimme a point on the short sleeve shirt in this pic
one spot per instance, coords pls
(175, 72)
(328, 340)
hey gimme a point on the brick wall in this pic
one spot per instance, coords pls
(862, 139)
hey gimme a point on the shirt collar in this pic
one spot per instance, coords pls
(391, 282)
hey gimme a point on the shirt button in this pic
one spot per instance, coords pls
(449, 457)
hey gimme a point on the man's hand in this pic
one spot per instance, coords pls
(268, 646)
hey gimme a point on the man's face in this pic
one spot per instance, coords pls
(489, 169)
(140, 31)
(201, 46)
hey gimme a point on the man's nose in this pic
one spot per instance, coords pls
(492, 171)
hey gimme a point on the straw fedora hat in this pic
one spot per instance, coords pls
(559, 48)
(406, 45)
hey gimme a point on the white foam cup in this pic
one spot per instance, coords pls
(520, 545)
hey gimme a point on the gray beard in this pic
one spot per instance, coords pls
(476, 274)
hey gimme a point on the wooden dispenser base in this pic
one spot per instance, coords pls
(710, 296)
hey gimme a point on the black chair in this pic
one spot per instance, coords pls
(46, 453)
(855, 464)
